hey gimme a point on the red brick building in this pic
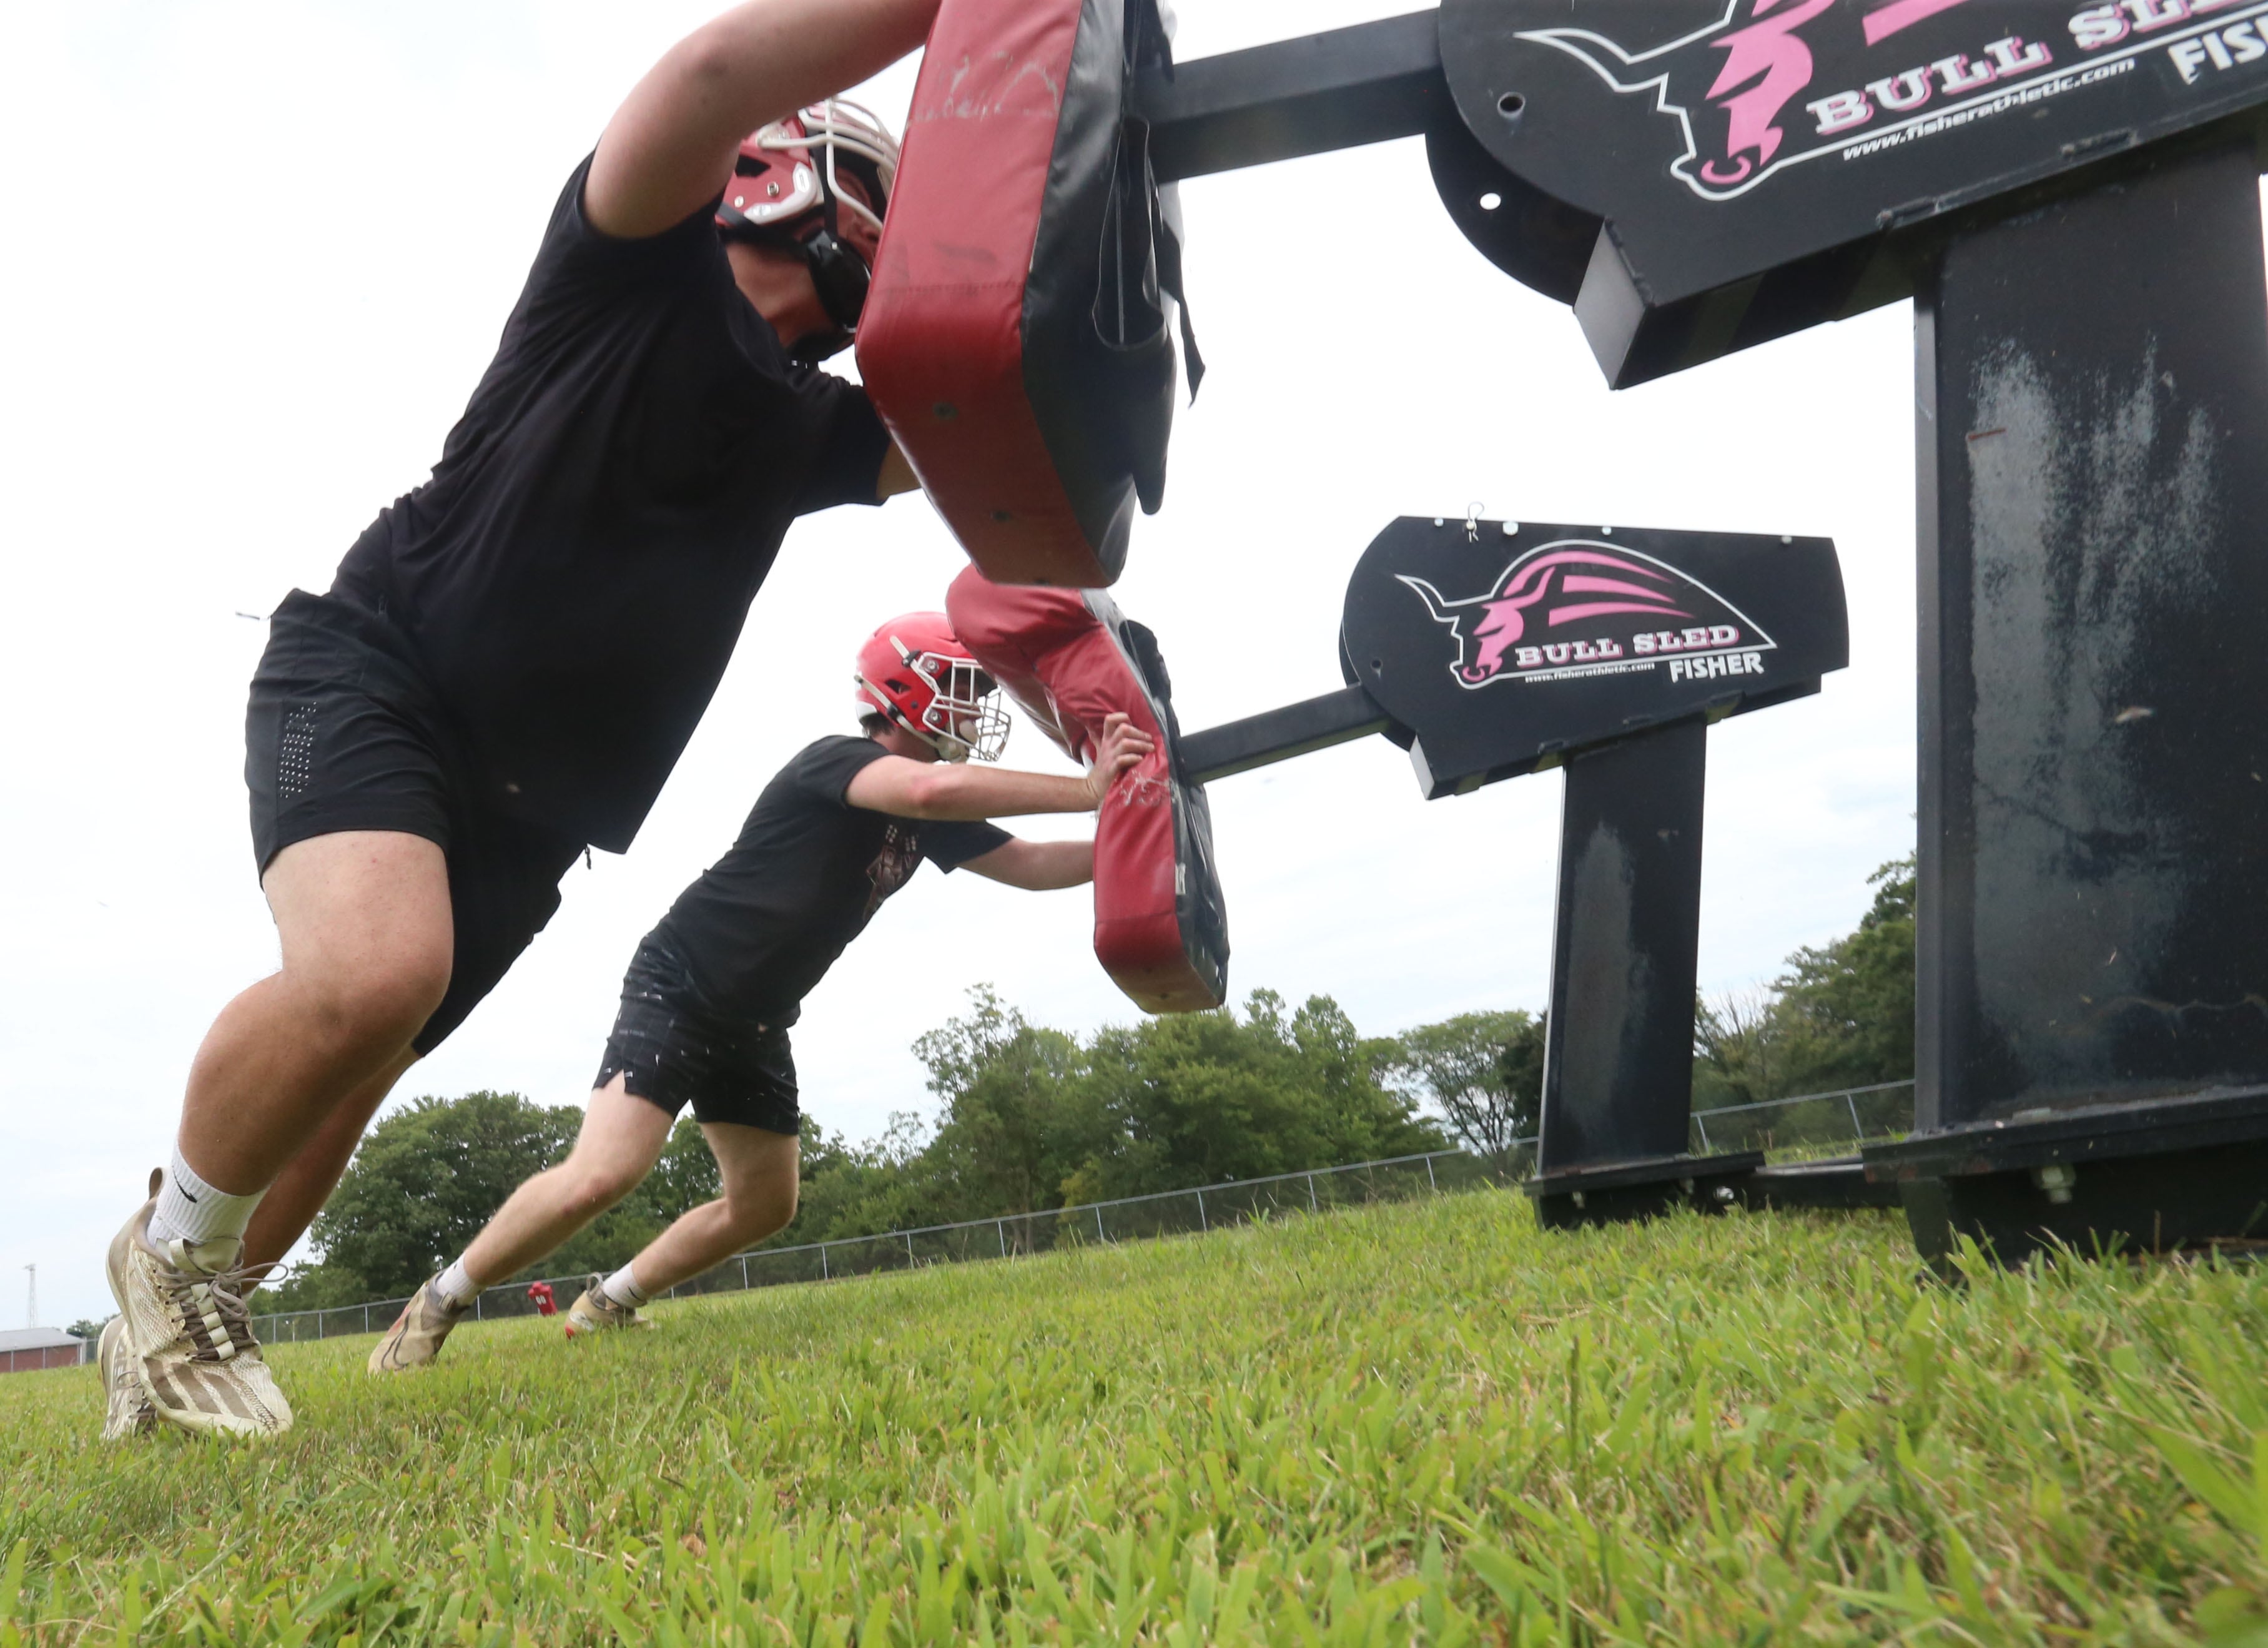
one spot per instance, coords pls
(26, 1350)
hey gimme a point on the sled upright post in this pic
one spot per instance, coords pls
(2093, 1036)
(1619, 1051)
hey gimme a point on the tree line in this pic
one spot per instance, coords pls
(1027, 1118)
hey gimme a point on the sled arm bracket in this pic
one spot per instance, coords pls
(1338, 90)
(1280, 735)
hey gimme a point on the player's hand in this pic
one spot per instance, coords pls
(1123, 745)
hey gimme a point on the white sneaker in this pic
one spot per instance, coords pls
(596, 1311)
(129, 1412)
(415, 1337)
(188, 1337)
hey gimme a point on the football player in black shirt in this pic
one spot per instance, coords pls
(711, 991)
(513, 656)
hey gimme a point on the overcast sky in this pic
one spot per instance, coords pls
(258, 256)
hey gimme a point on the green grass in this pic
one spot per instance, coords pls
(1425, 1422)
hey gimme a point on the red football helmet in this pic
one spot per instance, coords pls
(914, 671)
(815, 185)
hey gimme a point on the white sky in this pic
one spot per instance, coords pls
(257, 256)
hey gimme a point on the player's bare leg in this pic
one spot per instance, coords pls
(759, 1169)
(293, 1202)
(364, 921)
(620, 1139)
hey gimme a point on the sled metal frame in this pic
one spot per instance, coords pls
(2045, 1118)
(1342, 88)
(1617, 1102)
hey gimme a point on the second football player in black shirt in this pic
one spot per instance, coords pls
(710, 994)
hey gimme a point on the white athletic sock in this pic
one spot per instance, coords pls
(623, 1287)
(191, 1210)
(456, 1285)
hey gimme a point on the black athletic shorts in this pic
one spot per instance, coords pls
(674, 1049)
(344, 733)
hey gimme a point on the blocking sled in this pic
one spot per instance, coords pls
(1071, 657)
(1015, 337)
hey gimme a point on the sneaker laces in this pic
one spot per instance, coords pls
(211, 1304)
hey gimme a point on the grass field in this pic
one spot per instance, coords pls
(1425, 1423)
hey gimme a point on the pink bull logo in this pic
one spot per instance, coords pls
(1580, 608)
(1774, 82)
(1766, 64)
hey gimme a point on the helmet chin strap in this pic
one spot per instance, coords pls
(815, 347)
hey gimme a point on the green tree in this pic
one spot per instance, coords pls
(1200, 1098)
(1842, 1015)
(1849, 1007)
(1738, 1049)
(1484, 1071)
(1016, 1119)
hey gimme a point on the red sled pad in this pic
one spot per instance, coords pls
(1014, 337)
(1071, 657)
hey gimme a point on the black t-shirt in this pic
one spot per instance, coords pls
(765, 921)
(574, 576)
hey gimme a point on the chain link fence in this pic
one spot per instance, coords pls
(1811, 1123)
(1134, 1218)
(1817, 1123)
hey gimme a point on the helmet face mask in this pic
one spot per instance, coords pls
(964, 720)
(917, 675)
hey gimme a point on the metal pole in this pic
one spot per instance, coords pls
(1704, 1126)
(1202, 1224)
(1857, 1128)
(910, 1248)
(1000, 1229)
(1618, 1083)
(365, 1319)
(1432, 1183)
(1099, 1236)
(822, 1262)
(1311, 1189)
(479, 1299)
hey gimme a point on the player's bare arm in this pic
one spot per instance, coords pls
(917, 790)
(671, 145)
(1037, 866)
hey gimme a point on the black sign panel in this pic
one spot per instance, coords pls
(1724, 142)
(1499, 647)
